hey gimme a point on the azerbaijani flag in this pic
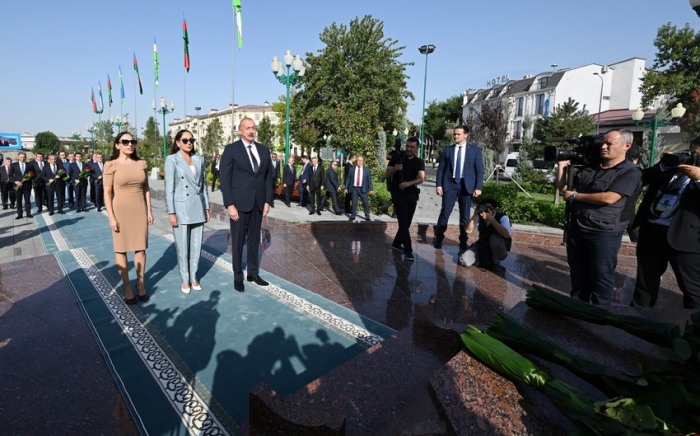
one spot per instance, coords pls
(109, 90)
(155, 60)
(239, 22)
(138, 76)
(187, 43)
(92, 97)
(99, 92)
(121, 84)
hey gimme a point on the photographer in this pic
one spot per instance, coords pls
(669, 217)
(406, 172)
(494, 236)
(595, 231)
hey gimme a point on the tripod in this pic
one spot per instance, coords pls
(498, 169)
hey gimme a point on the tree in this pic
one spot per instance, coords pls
(381, 149)
(213, 138)
(567, 121)
(355, 85)
(307, 136)
(490, 127)
(151, 143)
(266, 133)
(46, 142)
(676, 72)
(441, 115)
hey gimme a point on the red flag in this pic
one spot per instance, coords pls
(187, 43)
(138, 76)
(92, 97)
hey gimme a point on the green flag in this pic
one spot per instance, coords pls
(239, 22)
(155, 60)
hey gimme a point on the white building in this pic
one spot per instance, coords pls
(597, 88)
(198, 124)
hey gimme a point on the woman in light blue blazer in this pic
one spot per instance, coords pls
(187, 204)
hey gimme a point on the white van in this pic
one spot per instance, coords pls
(511, 164)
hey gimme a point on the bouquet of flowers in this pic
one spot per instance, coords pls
(85, 173)
(61, 174)
(28, 176)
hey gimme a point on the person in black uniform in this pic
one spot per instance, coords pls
(595, 233)
(406, 173)
(669, 231)
(315, 186)
(346, 171)
(289, 178)
(332, 187)
(215, 171)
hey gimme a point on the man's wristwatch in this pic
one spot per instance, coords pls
(573, 197)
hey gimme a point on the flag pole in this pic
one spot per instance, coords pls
(233, 72)
(185, 74)
(136, 119)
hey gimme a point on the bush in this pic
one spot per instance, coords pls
(381, 195)
(523, 210)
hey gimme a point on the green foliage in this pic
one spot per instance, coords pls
(440, 115)
(46, 142)
(307, 137)
(523, 210)
(490, 127)
(151, 144)
(566, 120)
(381, 195)
(381, 149)
(266, 133)
(355, 85)
(213, 138)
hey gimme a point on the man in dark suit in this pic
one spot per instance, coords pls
(70, 186)
(346, 172)
(332, 187)
(215, 171)
(669, 216)
(55, 187)
(79, 185)
(6, 185)
(315, 185)
(246, 186)
(19, 169)
(359, 184)
(459, 177)
(89, 163)
(96, 179)
(304, 181)
(289, 177)
(275, 173)
(39, 187)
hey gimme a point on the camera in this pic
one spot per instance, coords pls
(672, 160)
(483, 207)
(587, 150)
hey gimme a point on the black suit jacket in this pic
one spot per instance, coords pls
(684, 231)
(213, 169)
(241, 186)
(346, 170)
(97, 172)
(316, 179)
(289, 175)
(275, 172)
(332, 183)
(37, 171)
(4, 177)
(74, 171)
(16, 174)
(47, 175)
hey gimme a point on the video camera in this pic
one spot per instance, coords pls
(483, 207)
(672, 160)
(587, 150)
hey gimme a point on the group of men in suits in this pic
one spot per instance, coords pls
(18, 180)
(313, 180)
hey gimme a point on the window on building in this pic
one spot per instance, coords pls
(544, 81)
(521, 104)
(539, 104)
(257, 117)
(518, 130)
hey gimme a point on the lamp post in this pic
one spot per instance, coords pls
(164, 110)
(288, 79)
(676, 114)
(327, 138)
(600, 102)
(199, 126)
(118, 121)
(92, 129)
(695, 4)
(426, 50)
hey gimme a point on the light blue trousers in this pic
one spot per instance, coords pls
(188, 240)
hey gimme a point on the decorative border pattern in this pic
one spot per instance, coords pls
(327, 318)
(58, 238)
(193, 411)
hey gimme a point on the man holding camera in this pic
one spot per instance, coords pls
(597, 224)
(494, 236)
(669, 217)
(406, 172)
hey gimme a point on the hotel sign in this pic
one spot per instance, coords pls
(498, 81)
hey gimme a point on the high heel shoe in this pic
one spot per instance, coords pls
(185, 290)
(197, 287)
(144, 296)
(130, 301)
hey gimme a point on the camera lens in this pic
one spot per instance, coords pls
(482, 208)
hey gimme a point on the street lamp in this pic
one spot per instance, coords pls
(327, 138)
(695, 4)
(199, 126)
(118, 121)
(426, 50)
(288, 80)
(676, 114)
(164, 110)
(92, 129)
(600, 102)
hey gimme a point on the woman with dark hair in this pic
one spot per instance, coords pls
(187, 204)
(127, 199)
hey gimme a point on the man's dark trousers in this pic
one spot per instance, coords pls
(592, 260)
(248, 224)
(405, 206)
(449, 198)
(81, 194)
(24, 195)
(653, 256)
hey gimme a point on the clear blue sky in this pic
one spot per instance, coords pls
(55, 51)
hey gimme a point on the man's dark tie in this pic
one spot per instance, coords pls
(458, 166)
(256, 165)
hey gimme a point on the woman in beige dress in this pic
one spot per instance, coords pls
(128, 203)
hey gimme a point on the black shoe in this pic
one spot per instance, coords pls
(85, 210)
(238, 285)
(99, 209)
(367, 218)
(257, 280)
(30, 216)
(272, 204)
(438, 243)
(50, 213)
(19, 217)
(144, 297)
(288, 205)
(339, 213)
(352, 218)
(61, 212)
(398, 247)
(409, 257)
(311, 212)
(4, 208)
(130, 301)
(318, 212)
